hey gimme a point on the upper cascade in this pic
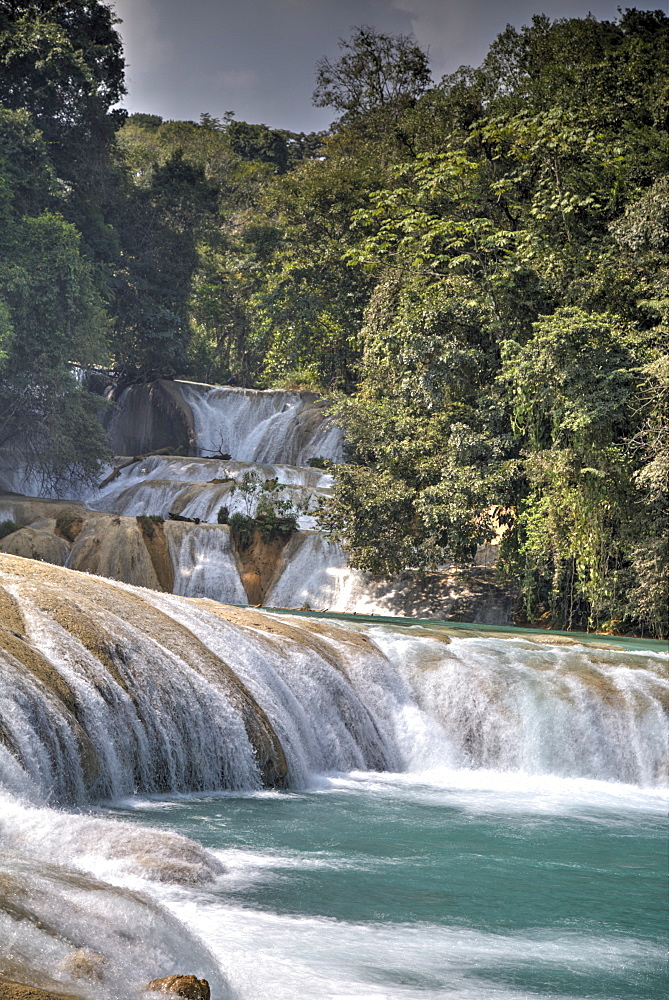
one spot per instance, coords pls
(186, 453)
(272, 426)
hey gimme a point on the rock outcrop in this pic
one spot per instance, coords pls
(151, 417)
(259, 565)
(19, 991)
(148, 552)
(182, 986)
(39, 543)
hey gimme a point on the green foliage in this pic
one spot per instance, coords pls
(51, 315)
(68, 524)
(8, 528)
(62, 63)
(223, 515)
(476, 272)
(520, 265)
(159, 234)
(148, 523)
(572, 385)
(374, 71)
(242, 529)
(267, 510)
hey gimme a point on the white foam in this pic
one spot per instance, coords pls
(269, 956)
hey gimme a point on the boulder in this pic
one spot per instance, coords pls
(38, 544)
(183, 986)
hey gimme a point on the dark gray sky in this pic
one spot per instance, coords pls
(257, 57)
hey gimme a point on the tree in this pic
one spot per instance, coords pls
(51, 316)
(62, 62)
(519, 249)
(153, 282)
(375, 72)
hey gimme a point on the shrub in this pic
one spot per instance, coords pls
(147, 523)
(276, 519)
(7, 528)
(319, 463)
(68, 524)
(242, 529)
(223, 515)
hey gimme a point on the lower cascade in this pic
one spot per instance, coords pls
(113, 694)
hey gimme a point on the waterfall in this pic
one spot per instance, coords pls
(270, 434)
(204, 563)
(197, 487)
(252, 426)
(317, 576)
(109, 689)
(515, 705)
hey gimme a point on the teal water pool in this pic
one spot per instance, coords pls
(469, 884)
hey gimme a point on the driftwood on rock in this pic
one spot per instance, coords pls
(116, 472)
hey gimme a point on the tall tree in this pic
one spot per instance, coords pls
(375, 72)
(51, 316)
(62, 62)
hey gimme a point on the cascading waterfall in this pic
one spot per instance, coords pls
(118, 699)
(199, 487)
(265, 433)
(110, 691)
(204, 563)
(272, 426)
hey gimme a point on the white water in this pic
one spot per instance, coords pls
(317, 576)
(390, 700)
(268, 433)
(159, 484)
(481, 724)
(394, 718)
(204, 563)
(262, 427)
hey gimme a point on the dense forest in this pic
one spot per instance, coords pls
(475, 271)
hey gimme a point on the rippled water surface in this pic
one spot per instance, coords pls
(464, 884)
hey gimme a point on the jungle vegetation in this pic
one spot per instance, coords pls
(475, 270)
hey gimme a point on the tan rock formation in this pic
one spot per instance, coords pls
(114, 547)
(156, 544)
(258, 565)
(19, 991)
(33, 543)
(183, 986)
(29, 510)
(84, 964)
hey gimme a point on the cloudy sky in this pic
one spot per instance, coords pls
(257, 57)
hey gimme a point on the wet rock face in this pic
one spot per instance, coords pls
(33, 543)
(150, 417)
(183, 986)
(258, 565)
